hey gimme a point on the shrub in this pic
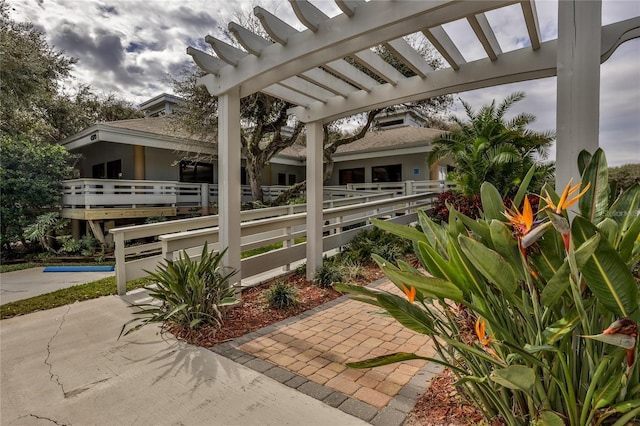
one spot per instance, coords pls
(282, 296)
(375, 241)
(554, 303)
(187, 293)
(352, 270)
(468, 205)
(328, 274)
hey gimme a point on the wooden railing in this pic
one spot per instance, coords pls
(343, 218)
(115, 193)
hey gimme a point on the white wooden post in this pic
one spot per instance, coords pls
(229, 179)
(121, 272)
(314, 198)
(204, 198)
(578, 85)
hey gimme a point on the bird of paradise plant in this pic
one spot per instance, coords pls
(556, 330)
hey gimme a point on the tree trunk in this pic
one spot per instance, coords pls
(254, 175)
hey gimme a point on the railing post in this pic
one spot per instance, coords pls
(204, 199)
(121, 272)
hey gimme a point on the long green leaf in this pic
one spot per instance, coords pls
(492, 203)
(625, 209)
(493, 266)
(517, 377)
(607, 274)
(402, 231)
(430, 286)
(549, 418)
(605, 395)
(406, 313)
(524, 185)
(439, 267)
(595, 202)
(385, 360)
(629, 239)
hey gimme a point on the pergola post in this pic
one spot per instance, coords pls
(578, 85)
(314, 197)
(229, 179)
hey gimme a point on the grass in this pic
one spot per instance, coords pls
(65, 296)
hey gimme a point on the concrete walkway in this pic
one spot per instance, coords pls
(26, 283)
(65, 366)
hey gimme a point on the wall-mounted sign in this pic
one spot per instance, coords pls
(416, 171)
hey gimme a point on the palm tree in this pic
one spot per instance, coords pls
(489, 148)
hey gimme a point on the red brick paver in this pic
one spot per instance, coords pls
(318, 347)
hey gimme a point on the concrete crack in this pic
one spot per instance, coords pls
(47, 418)
(54, 377)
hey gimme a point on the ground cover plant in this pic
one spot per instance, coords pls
(535, 315)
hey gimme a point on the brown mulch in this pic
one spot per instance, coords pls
(440, 404)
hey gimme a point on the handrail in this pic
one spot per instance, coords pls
(263, 227)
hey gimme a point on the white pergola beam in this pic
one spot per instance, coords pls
(443, 44)
(348, 7)
(578, 85)
(408, 55)
(287, 94)
(518, 65)
(480, 25)
(307, 88)
(351, 74)
(230, 54)
(277, 29)
(341, 36)
(206, 62)
(252, 42)
(310, 16)
(531, 20)
(378, 65)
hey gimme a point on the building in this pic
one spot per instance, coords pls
(132, 169)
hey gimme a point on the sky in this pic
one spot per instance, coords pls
(130, 47)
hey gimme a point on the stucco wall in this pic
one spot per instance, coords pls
(409, 163)
(104, 152)
(159, 164)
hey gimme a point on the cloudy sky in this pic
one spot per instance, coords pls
(128, 47)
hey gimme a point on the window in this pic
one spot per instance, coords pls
(391, 173)
(282, 179)
(114, 169)
(98, 171)
(243, 176)
(292, 179)
(193, 171)
(347, 176)
(390, 123)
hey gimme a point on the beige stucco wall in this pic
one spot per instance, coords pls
(409, 163)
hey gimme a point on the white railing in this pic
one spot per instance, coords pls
(343, 218)
(115, 193)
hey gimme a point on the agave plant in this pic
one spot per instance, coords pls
(189, 293)
(536, 314)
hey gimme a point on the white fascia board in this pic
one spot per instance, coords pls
(287, 161)
(423, 149)
(132, 137)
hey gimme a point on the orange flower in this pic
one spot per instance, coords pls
(522, 222)
(410, 292)
(565, 201)
(480, 332)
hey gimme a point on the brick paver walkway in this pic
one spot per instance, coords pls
(318, 347)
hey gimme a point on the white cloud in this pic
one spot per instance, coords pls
(129, 46)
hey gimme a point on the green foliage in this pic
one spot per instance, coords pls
(351, 270)
(188, 293)
(490, 148)
(93, 290)
(30, 176)
(625, 176)
(282, 296)
(44, 230)
(375, 241)
(328, 274)
(555, 303)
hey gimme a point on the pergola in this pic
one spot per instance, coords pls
(307, 68)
